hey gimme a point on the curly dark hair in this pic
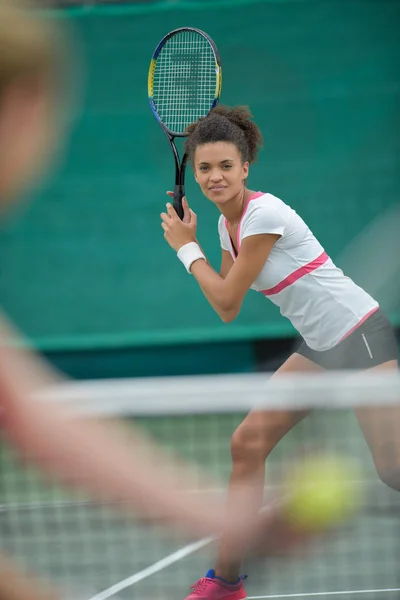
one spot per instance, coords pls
(226, 124)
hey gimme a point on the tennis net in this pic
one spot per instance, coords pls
(96, 551)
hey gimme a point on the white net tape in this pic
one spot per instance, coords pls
(227, 393)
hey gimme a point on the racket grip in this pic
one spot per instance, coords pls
(179, 192)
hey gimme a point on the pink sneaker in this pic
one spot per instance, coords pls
(211, 587)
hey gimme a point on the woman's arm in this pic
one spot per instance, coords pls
(227, 263)
(226, 294)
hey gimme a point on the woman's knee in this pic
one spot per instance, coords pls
(257, 435)
(247, 445)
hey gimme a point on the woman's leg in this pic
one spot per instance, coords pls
(251, 443)
(381, 428)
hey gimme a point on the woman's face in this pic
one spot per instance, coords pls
(220, 171)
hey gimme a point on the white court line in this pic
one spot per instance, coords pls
(159, 565)
(155, 568)
(178, 555)
(309, 595)
(190, 549)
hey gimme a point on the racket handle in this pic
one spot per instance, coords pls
(179, 192)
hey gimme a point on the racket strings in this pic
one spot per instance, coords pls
(185, 80)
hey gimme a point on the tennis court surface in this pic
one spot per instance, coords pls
(103, 551)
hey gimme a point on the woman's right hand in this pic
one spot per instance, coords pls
(185, 206)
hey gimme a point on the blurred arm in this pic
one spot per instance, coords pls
(16, 585)
(110, 461)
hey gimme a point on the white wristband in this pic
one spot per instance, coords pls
(188, 253)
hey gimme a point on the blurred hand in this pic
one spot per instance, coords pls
(177, 232)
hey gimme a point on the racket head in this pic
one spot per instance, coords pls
(185, 79)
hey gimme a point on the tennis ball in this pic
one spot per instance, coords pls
(323, 492)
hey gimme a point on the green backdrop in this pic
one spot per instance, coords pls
(86, 265)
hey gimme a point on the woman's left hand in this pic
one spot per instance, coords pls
(177, 232)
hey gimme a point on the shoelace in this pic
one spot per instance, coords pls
(200, 586)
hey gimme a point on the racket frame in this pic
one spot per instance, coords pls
(180, 165)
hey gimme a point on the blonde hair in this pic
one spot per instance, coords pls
(29, 45)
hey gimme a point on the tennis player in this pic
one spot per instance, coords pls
(267, 247)
(110, 462)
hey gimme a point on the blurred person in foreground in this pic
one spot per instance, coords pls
(110, 462)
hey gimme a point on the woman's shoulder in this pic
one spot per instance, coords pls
(266, 203)
(267, 199)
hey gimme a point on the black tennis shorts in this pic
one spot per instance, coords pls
(371, 344)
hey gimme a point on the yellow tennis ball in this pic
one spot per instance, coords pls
(324, 491)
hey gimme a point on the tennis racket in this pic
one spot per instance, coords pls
(184, 84)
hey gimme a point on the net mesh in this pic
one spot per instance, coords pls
(185, 80)
(103, 550)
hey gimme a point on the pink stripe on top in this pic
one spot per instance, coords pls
(367, 316)
(293, 277)
(253, 197)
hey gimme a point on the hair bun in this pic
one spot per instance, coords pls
(226, 124)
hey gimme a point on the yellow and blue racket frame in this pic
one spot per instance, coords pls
(180, 166)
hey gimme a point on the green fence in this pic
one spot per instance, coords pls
(86, 265)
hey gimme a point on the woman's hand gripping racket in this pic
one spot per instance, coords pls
(184, 85)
